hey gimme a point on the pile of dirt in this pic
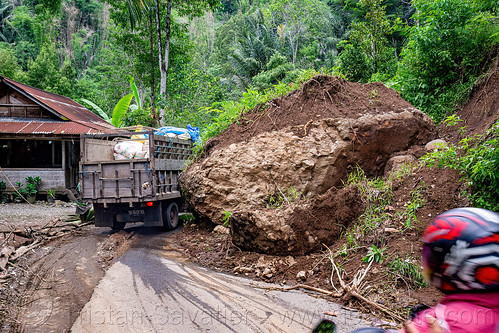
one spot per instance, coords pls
(322, 97)
(289, 157)
(442, 190)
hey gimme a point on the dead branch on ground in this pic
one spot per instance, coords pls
(35, 238)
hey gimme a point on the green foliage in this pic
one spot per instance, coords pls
(369, 51)
(354, 63)
(445, 51)
(255, 45)
(374, 254)
(8, 63)
(138, 116)
(408, 268)
(417, 201)
(377, 195)
(280, 198)
(120, 110)
(278, 69)
(51, 193)
(226, 218)
(3, 186)
(477, 159)
(45, 73)
(31, 187)
(135, 92)
(97, 109)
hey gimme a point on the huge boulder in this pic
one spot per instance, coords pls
(301, 165)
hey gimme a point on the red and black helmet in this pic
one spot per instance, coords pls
(461, 250)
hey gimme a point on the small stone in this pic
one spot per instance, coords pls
(302, 275)
(435, 144)
(246, 270)
(262, 262)
(220, 229)
(290, 261)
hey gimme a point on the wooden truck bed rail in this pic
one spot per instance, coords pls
(106, 180)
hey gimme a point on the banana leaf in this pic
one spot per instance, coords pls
(120, 110)
(99, 111)
(135, 92)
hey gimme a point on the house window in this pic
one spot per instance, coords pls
(30, 154)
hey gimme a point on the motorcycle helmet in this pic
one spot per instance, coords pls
(461, 250)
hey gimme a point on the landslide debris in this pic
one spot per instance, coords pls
(270, 172)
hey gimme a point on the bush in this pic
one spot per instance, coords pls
(477, 159)
(445, 52)
(31, 188)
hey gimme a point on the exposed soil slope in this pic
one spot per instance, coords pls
(298, 148)
(441, 189)
(322, 97)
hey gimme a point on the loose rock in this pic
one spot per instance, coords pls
(291, 159)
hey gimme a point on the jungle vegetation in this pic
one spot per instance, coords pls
(191, 61)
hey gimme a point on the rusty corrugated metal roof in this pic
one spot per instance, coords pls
(74, 118)
(37, 126)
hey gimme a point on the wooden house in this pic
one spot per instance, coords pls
(40, 135)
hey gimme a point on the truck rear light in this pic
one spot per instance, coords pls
(149, 204)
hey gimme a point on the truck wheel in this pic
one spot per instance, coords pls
(118, 225)
(170, 216)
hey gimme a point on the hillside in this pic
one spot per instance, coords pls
(427, 191)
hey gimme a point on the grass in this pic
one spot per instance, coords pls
(369, 231)
(279, 199)
(229, 111)
(408, 214)
(408, 268)
(377, 195)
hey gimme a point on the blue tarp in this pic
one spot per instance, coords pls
(192, 131)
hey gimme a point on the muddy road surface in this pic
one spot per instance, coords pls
(153, 288)
(96, 280)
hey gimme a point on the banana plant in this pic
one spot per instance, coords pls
(120, 108)
(97, 109)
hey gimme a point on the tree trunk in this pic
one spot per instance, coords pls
(153, 83)
(163, 57)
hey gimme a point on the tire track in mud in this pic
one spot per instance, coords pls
(55, 282)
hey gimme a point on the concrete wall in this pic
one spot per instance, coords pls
(51, 178)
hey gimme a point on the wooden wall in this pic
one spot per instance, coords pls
(13, 104)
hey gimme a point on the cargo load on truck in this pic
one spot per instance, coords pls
(133, 176)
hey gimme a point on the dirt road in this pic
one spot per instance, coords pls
(153, 288)
(92, 281)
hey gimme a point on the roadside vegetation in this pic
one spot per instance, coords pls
(477, 160)
(373, 231)
(225, 58)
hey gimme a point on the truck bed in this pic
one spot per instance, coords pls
(106, 180)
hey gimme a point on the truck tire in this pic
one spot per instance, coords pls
(170, 216)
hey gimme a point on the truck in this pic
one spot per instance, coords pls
(133, 187)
